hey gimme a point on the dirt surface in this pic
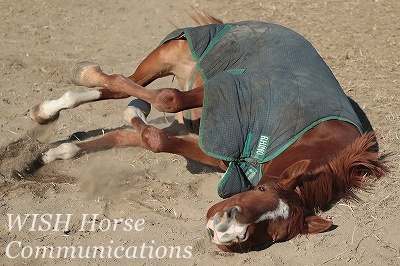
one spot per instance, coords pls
(166, 204)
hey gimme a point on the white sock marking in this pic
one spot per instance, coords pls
(69, 100)
(131, 112)
(64, 151)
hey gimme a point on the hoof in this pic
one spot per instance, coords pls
(85, 74)
(37, 115)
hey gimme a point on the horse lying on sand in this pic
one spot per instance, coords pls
(261, 104)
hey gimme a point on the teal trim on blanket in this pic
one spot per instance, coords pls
(221, 184)
(215, 40)
(301, 133)
(212, 43)
(236, 71)
(283, 147)
(201, 132)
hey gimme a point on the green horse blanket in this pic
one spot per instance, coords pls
(265, 86)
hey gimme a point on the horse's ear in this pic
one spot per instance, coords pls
(290, 178)
(315, 224)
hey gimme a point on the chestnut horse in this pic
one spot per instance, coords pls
(321, 163)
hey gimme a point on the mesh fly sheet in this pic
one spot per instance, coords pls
(265, 86)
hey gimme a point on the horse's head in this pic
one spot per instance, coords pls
(269, 213)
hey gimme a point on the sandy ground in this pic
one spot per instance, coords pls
(160, 202)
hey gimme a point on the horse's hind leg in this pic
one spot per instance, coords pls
(171, 58)
(158, 63)
(165, 100)
(115, 87)
(49, 110)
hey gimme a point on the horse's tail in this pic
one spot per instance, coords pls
(202, 17)
(357, 165)
(199, 17)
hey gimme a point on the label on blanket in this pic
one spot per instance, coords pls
(262, 147)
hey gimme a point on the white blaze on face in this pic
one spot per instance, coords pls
(64, 151)
(282, 210)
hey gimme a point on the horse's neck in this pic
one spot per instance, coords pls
(321, 145)
(320, 191)
(338, 178)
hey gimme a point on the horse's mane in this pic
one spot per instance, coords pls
(352, 169)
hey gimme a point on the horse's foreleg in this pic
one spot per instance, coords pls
(113, 139)
(158, 140)
(158, 63)
(147, 137)
(49, 110)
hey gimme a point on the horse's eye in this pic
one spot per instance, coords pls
(261, 189)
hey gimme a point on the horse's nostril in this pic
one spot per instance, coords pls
(211, 233)
(231, 213)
